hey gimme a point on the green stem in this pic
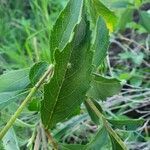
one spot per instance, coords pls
(106, 124)
(24, 103)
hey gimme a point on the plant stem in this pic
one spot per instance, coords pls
(38, 139)
(51, 139)
(43, 135)
(24, 103)
(106, 124)
(36, 49)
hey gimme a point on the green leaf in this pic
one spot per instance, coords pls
(102, 87)
(63, 29)
(37, 71)
(99, 141)
(99, 9)
(1, 146)
(92, 114)
(116, 141)
(6, 98)
(72, 147)
(34, 105)
(121, 4)
(72, 123)
(126, 124)
(145, 20)
(10, 141)
(138, 3)
(137, 58)
(101, 42)
(14, 80)
(70, 82)
(136, 81)
(126, 17)
(115, 144)
(12, 86)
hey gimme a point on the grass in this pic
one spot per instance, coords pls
(24, 31)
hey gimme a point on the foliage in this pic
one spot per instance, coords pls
(62, 69)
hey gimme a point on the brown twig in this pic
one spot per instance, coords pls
(38, 139)
(51, 140)
(44, 141)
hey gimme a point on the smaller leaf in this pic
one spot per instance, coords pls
(127, 124)
(72, 147)
(10, 141)
(14, 80)
(115, 144)
(116, 141)
(121, 4)
(102, 87)
(59, 132)
(12, 86)
(6, 98)
(145, 20)
(92, 114)
(136, 81)
(106, 13)
(99, 141)
(34, 105)
(125, 18)
(101, 42)
(37, 71)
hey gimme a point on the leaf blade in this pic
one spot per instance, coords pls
(70, 81)
(62, 32)
(14, 80)
(99, 9)
(101, 42)
(102, 87)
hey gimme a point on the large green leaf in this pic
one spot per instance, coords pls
(63, 29)
(70, 82)
(103, 87)
(101, 42)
